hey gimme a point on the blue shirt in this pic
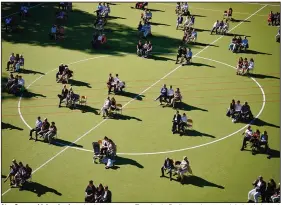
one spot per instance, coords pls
(264, 138)
(189, 54)
(163, 91)
(245, 41)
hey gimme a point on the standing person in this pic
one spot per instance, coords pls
(176, 121)
(168, 165)
(63, 95)
(90, 192)
(107, 196)
(38, 125)
(163, 94)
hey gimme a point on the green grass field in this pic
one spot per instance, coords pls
(222, 173)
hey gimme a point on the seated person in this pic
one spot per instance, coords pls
(270, 18)
(180, 53)
(24, 11)
(255, 140)
(264, 141)
(17, 67)
(112, 104)
(177, 97)
(248, 134)
(10, 82)
(119, 86)
(245, 66)
(51, 133)
(184, 166)
(193, 37)
(99, 193)
(28, 172)
(13, 85)
(104, 146)
(13, 171)
(163, 94)
(179, 21)
(258, 190)
(139, 48)
(239, 67)
(250, 66)
(231, 109)
(148, 50)
(67, 73)
(146, 29)
(215, 27)
(44, 128)
(60, 72)
(275, 198)
(61, 15)
(21, 60)
(60, 32)
(237, 112)
(188, 56)
(184, 9)
(63, 96)
(191, 22)
(232, 44)
(221, 24)
(183, 121)
(11, 61)
(277, 37)
(237, 45)
(72, 98)
(170, 94)
(176, 122)
(53, 34)
(246, 112)
(169, 166)
(245, 43)
(225, 27)
(111, 151)
(105, 107)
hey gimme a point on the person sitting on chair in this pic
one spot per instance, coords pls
(259, 189)
(107, 195)
(231, 109)
(63, 95)
(99, 193)
(90, 192)
(245, 43)
(248, 134)
(105, 107)
(183, 122)
(28, 172)
(264, 141)
(112, 104)
(38, 125)
(110, 83)
(139, 49)
(53, 33)
(246, 112)
(51, 133)
(104, 146)
(11, 60)
(237, 112)
(177, 97)
(170, 94)
(180, 53)
(188, 56)
(44, 128)
(163, 94)
(60, 72)
(183, 169)
(255, 141)
(148, 50)
(176, 122)
(250, 66)
(168, 165)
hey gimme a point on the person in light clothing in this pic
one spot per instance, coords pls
(105, 107)
(184, 167)
(259, 189)
(170, 94)
(38, 125)
(183, 121)
(215, 27)
(248, 134)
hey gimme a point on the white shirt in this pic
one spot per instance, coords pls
(238, 107)
(170, 92)
(21, 82)
(251, 65)
(249, 133)
(106, 104)
(216, 24)
(121, 84)
(116, 79)
(38, 123)
(259, 184)
(53, 30)
(183, 165)
(184, 119)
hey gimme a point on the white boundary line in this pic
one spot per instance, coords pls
(202, 145)
(18, 12)
(175, 69)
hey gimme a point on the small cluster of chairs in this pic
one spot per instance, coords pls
(245, 67)
(64, 74)
(237, 45)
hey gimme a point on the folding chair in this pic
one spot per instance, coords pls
(190, 123)
(119, 108)
(83, 100)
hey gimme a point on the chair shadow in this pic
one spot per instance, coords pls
(197, 15)
(29, 94)
(202, 30)
(248, 51)
(262, 76)
(202, 64)
(203, 44)
(79, 83)
(3, 176)
(195, 133)
(9, 126)
(160, 58)
(272, 152)
(62, 143)
(239, 21)
(38, 189)
(131, 95)
(148, 9)
(235, 34)
(127, 161)
(260, 123)
(159, 24)
(119, 116)
(87, 108)
(186, 107)
(200, 182)
(26, 71)
(115, 17)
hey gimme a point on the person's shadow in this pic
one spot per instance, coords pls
(125, 161)
(38, 189)
(9, 126)
(200, 182)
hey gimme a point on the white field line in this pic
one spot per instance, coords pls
(18, 12)
(202, 145)
(214, 10)
(63, 150)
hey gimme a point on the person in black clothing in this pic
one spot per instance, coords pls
(28, 171)
(246, 112)
(107, 195)
(180, 53)
(109, 83)
(63, 95)
(90, 192)
(99, 193)
(168, 165)
(163, 94)
(270, 190)
(231, 109)
(60, 72)
(140, 49)
(176, 122)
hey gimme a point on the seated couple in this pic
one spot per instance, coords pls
(256, 139)
(15, 84)
(183, 53)
(99, 194)
(16, 61)
(108, 107)
(228, 14)
(244, 67)
(57, 32)
(237, 44)
(239, 112)
(19, 174)
(69, 97)
(180, 123)
(178, 167)
(98, 39)
(44, 129)
(116, 84)
(63, 74)
(144, 50)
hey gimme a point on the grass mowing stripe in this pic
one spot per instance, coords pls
(127, 102)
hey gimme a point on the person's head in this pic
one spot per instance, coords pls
(258, 131)
(105, 138)
(110, 74)
(233, 101)
(117, 75)
(20, 164)
(184, 114)
(14, 161)
(234, 36)
(185, 158)
(260, 178)
(12, 54)
(245, 59)
(252, 60)
(38, 118)
(106, 188)
(245, 37)
(17, 77)
(178, 112)
(113, 99)
(249, 127)
(164, 85)
(27, 166)
(108, 98)
(91, 183)
(265, 132)
(99, 4)
(246, 103)
(100, 186)
(45, 120)
(53, 123)
(11, 75)
(238, 102)
(178, 89)
(20, 77)
(171, 87)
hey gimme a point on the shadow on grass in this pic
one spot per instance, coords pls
(63, 143)
(197, 15)
(3, 176)
(115, 17)
(260, 123)
(202, 30)
(86, 108)
(160, 58)
(185, 107)
(200, 182)
(39, 189)
(131, 95)
(29, 94)
(9, 126)
(262, 76)
(118, 116)
(127, 161)
(195, 133)
(159, 24)
(79, 83)
(202, 44)
(157, 10)
(201, 64)
(26, 71)
(248, 51)
(236, 34)
(239, 21)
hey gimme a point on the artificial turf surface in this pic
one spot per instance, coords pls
(222, 173)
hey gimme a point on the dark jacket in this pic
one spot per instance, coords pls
(108, 197)
(178, 118)
(64, 93)
(262, 187)
(168, 163)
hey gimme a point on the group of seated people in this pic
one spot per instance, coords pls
(19, 174)
(146, 16)
(99, 194)
(144, 50)
(189, 35)
(141, 5)
(169, 96)
(180, 123)
(57, 32)
(269, 192)
(182, 9)
(108, 107)
(44, 129)
(144, 29)
(179, 168)
(103, 10)
(15, 84)
(237, 44)
(98, 39)
(188, 24)
(115, 83)
(65, 6)
(244, 67)
(228, 14)
(105, 151)
(63, 74)
(257, 140)
(273, 19)
(220, 27)
(184, 54)
(239, 112)
(69, 97)
(16, 61)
